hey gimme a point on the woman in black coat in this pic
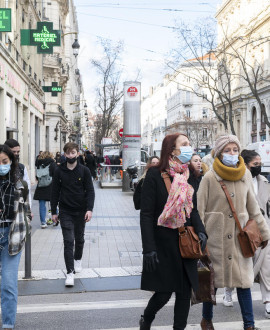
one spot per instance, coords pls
(90, 163)
(164, 270)
(43, 194)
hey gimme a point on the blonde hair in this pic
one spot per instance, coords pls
(46, 154)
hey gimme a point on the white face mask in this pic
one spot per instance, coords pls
(230, 160)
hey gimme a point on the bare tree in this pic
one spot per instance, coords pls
(240, 51)
(200, 132)
(196, 59)
(110, 91)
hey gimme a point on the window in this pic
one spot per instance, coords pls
(30, 70)
(17, 56)
(1, 36)
(23, 16)
(9, 45)
(204, 132)
(24, 66)
(35, 76)
(188, 113)
(204, 112)
(262, 115)
(254, 116)
(39, 82)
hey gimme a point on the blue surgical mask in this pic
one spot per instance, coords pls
(4, 169)
(186, 154)
(230, 160)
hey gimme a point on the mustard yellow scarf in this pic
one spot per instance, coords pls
(230, 173)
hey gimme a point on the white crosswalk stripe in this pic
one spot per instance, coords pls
(114, 304)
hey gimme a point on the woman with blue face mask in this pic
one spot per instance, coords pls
(164, 270)
(15, 216)
(231, 268)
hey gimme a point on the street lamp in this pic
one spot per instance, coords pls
(75, 46)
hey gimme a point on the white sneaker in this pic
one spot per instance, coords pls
(267, 310)
(43, 226)
(78, 266)
(70, 280)
(227, 298)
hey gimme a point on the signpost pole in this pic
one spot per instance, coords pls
(132, 129)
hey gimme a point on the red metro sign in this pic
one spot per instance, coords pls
(132, 91)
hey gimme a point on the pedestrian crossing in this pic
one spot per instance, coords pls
(263, 325)
(113, 306)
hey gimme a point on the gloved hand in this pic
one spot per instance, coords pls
(203, 240)
(264, 244)
(150, 261)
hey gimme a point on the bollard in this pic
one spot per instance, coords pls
(27, 264)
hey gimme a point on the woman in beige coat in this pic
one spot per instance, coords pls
(231, 268)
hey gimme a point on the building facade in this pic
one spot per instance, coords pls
(21, 96)
(245, 25)
(28, 113)
(174, 106)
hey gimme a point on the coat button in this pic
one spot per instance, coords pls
(232, 194)
(230, 236)
(230, 216)
(230, 257)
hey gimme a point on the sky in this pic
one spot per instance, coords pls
(144, 26)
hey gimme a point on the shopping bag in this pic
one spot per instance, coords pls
(206, 291)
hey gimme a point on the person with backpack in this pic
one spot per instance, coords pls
(73, 191)
(45, 169)
(15, 217)
(21, 169)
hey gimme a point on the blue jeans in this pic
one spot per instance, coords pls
(42, 212)
(245, 302)
(9, 281)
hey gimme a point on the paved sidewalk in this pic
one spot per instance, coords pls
(112, 240)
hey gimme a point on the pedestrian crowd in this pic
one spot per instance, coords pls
(192, 211)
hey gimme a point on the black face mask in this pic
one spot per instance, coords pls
(255, 171)
(71, 160)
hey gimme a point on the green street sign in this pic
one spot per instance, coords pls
(44, 37)
(5, 20)
(54, 89)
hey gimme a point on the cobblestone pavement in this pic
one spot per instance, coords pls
(112, 239)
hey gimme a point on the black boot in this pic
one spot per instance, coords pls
(144, 325)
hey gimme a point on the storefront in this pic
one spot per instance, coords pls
(21, 113)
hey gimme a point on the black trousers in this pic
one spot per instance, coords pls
(181, 308)
(73, 226)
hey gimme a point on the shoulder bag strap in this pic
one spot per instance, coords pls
(167, 181)
(224, 187)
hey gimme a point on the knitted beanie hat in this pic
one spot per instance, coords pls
(222, 141)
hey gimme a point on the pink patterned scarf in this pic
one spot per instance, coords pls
(179, 203)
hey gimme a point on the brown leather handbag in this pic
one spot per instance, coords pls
(189, 242)
(249, 237)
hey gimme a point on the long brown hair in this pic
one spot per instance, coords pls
(167, 148)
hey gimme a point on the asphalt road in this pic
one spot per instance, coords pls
(113, 310)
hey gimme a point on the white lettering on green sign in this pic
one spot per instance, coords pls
(56, 89)
(5, 20)
(45, 36)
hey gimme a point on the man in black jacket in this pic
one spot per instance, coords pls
(72, 189)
